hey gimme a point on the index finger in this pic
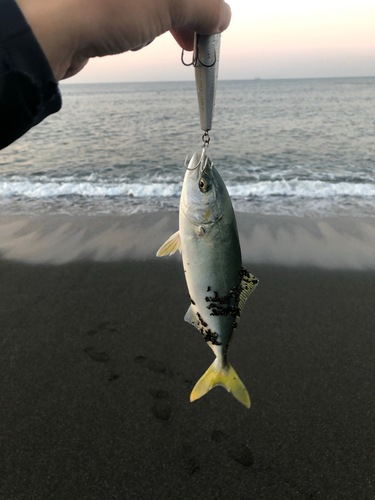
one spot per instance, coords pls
(206, 17)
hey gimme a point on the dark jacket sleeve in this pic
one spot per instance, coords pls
(28, 89)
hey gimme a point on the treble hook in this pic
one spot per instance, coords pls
(196, 59)
(195, 167)
(185, 164)
(193, 62)
(202, 162)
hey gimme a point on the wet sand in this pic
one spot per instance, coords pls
(97, 365)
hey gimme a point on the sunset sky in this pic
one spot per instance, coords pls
(268, 39)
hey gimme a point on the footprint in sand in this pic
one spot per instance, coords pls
(96, 355)
(161, 408)
(190, 463)
(101, 357)
(108, 326)
(152, 364)
(238, 451)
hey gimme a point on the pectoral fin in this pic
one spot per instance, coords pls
(170, 246)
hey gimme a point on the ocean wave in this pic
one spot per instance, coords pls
(52, 189)
(294, 188)
(302, 189)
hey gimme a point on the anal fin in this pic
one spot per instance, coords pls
(191, 318)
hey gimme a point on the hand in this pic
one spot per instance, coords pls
(70, 32)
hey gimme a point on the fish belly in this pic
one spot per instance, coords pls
(212, 265)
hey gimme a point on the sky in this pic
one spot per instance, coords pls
(268, 39)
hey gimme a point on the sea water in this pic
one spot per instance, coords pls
(292, 147)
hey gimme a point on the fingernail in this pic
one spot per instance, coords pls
(227, 15)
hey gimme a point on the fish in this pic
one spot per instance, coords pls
(217, 282)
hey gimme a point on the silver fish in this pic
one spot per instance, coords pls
(218, 283)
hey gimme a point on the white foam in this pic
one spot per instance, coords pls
(29, 189)
(95, 195)
(18, 187)
(303, 189)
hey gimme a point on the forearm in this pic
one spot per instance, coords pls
(28, 89)
(56, 26)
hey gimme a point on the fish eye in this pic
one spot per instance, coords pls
(204, 184)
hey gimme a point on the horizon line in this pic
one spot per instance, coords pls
(255, 79)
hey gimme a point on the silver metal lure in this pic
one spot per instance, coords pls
(206, 63)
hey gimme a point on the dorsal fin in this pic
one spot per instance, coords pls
(248, 284)
(170, 246)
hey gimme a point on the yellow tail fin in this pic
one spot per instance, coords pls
(226, 377)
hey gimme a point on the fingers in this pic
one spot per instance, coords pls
(72, 31)
(184, 36)
(142, 46)
(206, 17)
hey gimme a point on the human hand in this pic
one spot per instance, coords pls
(70, 32)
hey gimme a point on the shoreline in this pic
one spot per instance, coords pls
(330, 243)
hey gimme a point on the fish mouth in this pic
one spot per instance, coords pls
(199, 165)
(193, 165)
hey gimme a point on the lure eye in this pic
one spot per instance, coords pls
(203, 184)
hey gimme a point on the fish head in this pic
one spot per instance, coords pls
(204, 195)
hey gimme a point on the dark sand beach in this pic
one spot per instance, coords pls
(97, 365)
